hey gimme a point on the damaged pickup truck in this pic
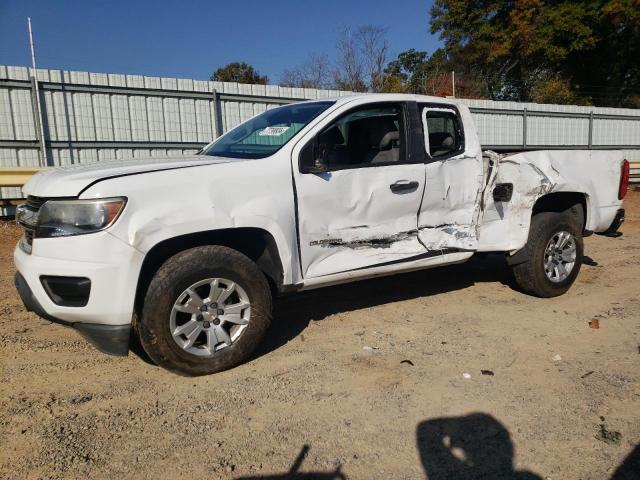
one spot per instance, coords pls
(188, 252)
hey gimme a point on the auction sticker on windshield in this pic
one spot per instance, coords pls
(273, 131)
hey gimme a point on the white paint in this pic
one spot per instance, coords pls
(349, 224)
(596, 174)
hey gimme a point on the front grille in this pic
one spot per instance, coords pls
(26, 216)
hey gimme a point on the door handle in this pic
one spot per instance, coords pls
(403, 186)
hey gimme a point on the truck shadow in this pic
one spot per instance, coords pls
(294, 312)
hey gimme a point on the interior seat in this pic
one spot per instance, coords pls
(374, 140)
(440, 143)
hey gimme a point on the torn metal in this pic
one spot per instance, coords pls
(593, 174)
(376, 242)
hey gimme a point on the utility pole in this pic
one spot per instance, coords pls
(34, 77)
(453, 84)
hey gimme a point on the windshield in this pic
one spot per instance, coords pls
(266, 133)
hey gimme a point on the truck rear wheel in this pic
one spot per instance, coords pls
(552, 255)
(205, 311)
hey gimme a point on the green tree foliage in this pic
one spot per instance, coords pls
(564, 51)
(239, 72)
(416, 72)
(407, 72)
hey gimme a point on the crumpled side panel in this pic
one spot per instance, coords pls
(451, 204)
(595, 174)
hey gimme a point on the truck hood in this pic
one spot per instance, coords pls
(69, 181)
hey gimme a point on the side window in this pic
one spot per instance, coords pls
(365, 137)
(445, 136)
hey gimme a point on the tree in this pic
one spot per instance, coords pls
(361, 60)
(417, 71)
(557, 90)
(359, 65)
(240, 72)
(374, 48)
(314, 73)
(349, 71)
(410, 69)
(583, 49)
(414, 71)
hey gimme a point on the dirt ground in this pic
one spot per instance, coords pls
(362, 381)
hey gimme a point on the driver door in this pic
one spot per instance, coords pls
(361, 209)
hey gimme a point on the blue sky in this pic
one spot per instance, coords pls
(191, 38)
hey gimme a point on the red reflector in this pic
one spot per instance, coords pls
(624, 180)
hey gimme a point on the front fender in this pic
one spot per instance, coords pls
(165, 205)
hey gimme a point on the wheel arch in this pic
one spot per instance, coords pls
(256, 243)
(555, 202)
(562, 202)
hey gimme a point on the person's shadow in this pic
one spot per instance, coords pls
(295, 474)
(629, 469)
(475, 446)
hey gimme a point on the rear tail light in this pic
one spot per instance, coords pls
(624, 180)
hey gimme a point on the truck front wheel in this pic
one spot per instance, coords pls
(552, 255)
(206, 310)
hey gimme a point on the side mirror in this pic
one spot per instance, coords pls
(312, 158)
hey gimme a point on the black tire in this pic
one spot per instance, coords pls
(174, 277)
(530, 274)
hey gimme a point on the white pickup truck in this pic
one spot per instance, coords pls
(187, 252)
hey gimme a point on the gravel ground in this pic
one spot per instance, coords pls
(445, 373)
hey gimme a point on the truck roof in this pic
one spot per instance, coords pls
(375, 97)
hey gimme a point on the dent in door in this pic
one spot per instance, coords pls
(335, 237)
(451, 205)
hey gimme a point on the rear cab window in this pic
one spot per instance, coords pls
(443, 130)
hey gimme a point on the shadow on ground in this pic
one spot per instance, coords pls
(474, 446)
(468, 447)
(629, 469)
(292, 313)
(295, 474)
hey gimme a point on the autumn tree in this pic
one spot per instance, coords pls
(407, 72)
(548, 50)
(240, 72)
(415, 71)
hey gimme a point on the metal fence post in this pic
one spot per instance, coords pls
(217, 114)
(38, 120)
(65, 104)
(524, 128)
(590, 130)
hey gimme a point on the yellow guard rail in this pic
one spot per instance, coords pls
(16, 176)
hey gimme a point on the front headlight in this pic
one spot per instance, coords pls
(61, 218)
